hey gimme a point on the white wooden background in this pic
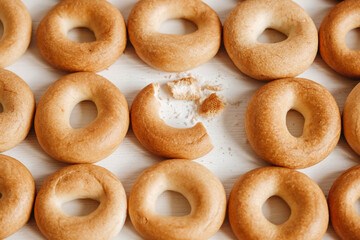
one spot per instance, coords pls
(232, 155)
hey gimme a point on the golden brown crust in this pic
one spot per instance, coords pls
(196, 183)
(212, 105)
(342, 197)
(332, 38)
(309, 211)
(265, 122)
(161, 139)
(99, 16)
(261, 61)
(76, 182)
(17, 24)
(170, 52)
(18, 105)
(17, 191)
(93, 142)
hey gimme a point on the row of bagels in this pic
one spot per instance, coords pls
(176, 53)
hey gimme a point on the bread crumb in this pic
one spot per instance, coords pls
(212, 105)
(215, 88)
(184, 89)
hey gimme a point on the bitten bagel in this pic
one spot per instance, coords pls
(342, 198)
(100, 16)
(161, 139)
(171, 52)
(332, 35)
(309, 211)
(18, 105)
(76, 182)
(17, 192)
(93, 142)
(265, 122)
(351, 117)
(265, 61)
(17, 25)
(196, 183)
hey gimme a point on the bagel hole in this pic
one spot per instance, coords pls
(81, 35)
(178, 26)
(353, 39)
(295, 123)
(357, 206)
(270, 35)
(1, 29)
(276, 210)
(83, 114)
(171, 203)
(80, 207)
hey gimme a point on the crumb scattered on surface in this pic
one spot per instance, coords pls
(215, 88)
(185, 89)
(212, 105)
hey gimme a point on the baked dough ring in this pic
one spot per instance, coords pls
(99, 16)
(161, 139)
(93, 142)
(18, 105)
(77, 182)
(196, 183)
(17, 192)
(171, 52)
(265, 61)
(17, 25)
(342, 198)
(332, 35)
(265, 122)
(309, 211)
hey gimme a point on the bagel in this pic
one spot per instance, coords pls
(171, 52)
(265, 61)
(76, 182)
(159, 138)
(332, 38)
(93, 142)
(18, 105)
(265, 122)
(196, 183)
(309, 211)
(17, 25)
(342, 198)
(99, 16)
(17, 192)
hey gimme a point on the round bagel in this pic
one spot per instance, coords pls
(171, 52)
(265, 61)
(93, 142)
(202, 189)
(265, 122)
(17, 25)
(309, 211)
(332, 38)
(99, 16)
(161, 139)
(18, 105)
(76, 182)
(342, 198)
(17, 192)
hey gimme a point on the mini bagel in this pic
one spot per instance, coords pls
(309, 211)
(93, 142)
(17, 25)
(76, 182)
(17, 192)
(202, 189)
(265, 122)
(159, 138)
(351, 116)
(99, 16)
(170, 52)
(18, 105)
(342, 198)
(265, 61)
(332, 35)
